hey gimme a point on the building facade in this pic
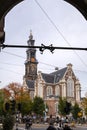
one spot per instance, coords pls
(60, 83)
(30, 67)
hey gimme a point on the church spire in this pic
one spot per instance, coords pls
(31, 36)
(31, 61)
(30, 41)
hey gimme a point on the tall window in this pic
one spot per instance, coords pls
(77, 92)
(49, 91)
(70, 87)
(57, 90)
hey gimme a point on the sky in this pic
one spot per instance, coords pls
(53, 22)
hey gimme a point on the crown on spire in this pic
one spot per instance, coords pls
(31, 36)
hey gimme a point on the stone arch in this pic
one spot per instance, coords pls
(6, 6)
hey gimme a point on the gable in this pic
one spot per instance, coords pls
(69, 73)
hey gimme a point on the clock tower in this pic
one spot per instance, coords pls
(31, 61)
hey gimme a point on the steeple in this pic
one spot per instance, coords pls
(31, 36)
(30, 41)
(31, 61)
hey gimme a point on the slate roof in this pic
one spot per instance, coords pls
(49, 78)
(54, 77)
(30, 84)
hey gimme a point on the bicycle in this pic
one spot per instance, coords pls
(28, 126)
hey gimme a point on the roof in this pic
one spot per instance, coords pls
(49, 78)
(54, 77)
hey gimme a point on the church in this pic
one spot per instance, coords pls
(60, 83)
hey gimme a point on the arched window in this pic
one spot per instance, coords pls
(57, 90)
(70, 87)
(49, 91)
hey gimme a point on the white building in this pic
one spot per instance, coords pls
(61, 83)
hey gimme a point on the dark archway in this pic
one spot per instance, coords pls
(7, 5)
(81, 5)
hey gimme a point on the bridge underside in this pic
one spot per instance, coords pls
(7, 5)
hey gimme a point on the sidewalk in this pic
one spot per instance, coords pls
(41, 125)
(35, 125)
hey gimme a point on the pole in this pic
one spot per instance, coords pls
(17, 119)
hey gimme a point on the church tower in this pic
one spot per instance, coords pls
(31, 61)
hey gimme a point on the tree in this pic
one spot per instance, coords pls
(38, 105)
(17, 98)
(7, 106)
(1, 101)
(8, 122)
(84, 104)
(67, 107)
(26, 103)
(61, 106)
(75, 110)
(64, 106)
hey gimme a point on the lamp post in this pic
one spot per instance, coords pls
(17, 119)
(45, 112)
(13, 107)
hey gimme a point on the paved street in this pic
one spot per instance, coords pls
(44, 127)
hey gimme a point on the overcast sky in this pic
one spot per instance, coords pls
(52, 22)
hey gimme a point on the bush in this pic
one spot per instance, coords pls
(8, 122)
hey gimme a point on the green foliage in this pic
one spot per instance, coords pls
(38, 105)
(61, 106)
(84, 104)
(64, 107)
(26, 107)
(68, 107)
(1, 102)
(85, 111)
(75, 110)
(8, 122)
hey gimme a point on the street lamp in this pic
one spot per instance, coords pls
(17, 119)
(46, 110)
